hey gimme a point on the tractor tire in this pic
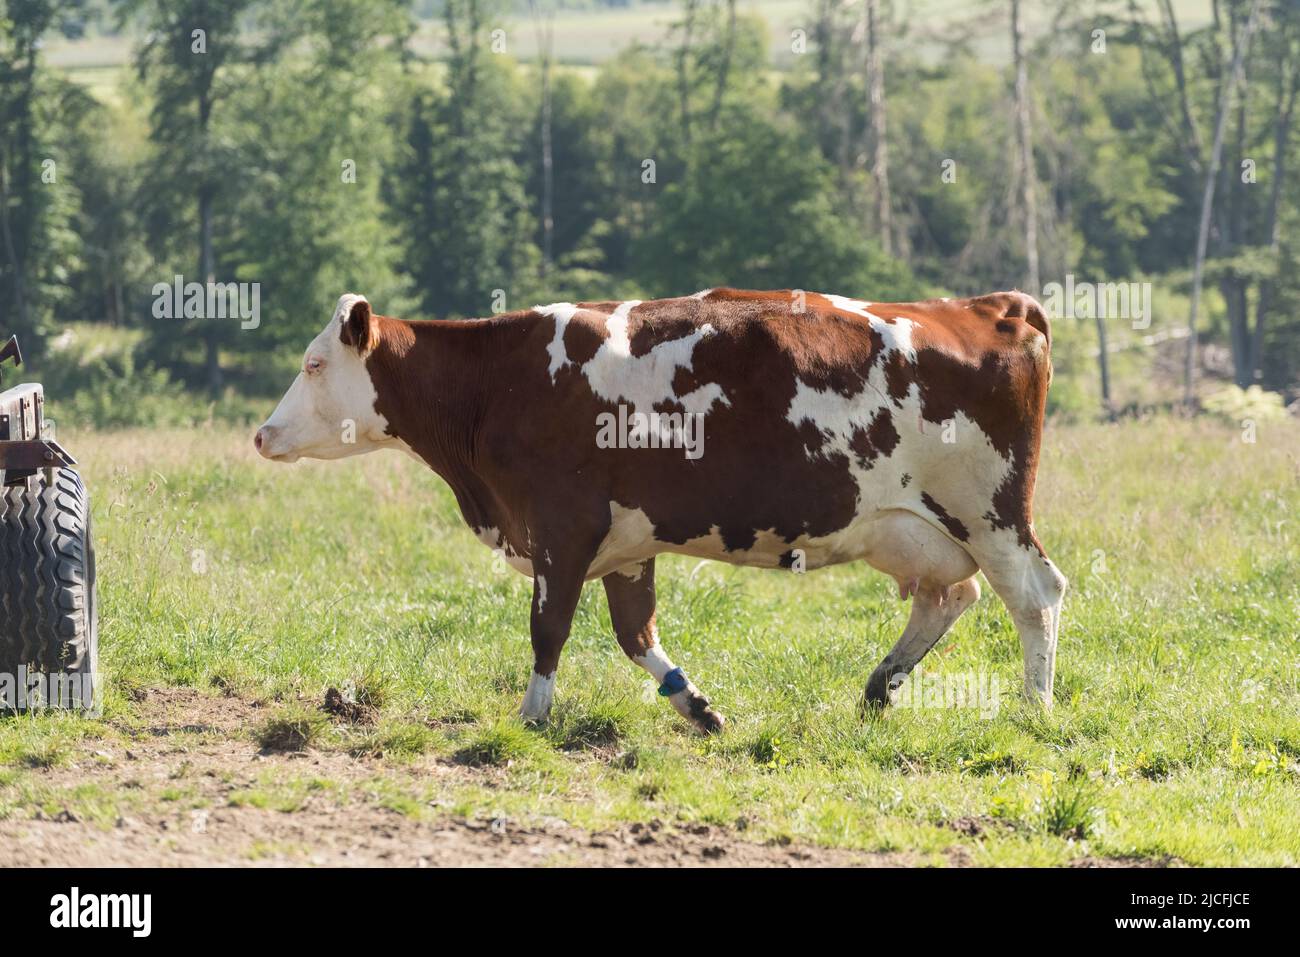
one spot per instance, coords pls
(47, 588)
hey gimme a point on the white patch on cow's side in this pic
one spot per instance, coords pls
(630, 539)
(766, 551)
(538, 697)
(614, 374)
(541, 592)
(896, 333)
(702, 294)
(644, 381)
(562, 313)
(616, 326)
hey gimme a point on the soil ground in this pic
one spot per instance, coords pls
(198, 744)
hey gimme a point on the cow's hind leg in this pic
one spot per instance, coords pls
(934, 609)
(631, 594)
(1033, 590)
(938, 574)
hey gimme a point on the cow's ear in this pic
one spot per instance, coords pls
(360, 328)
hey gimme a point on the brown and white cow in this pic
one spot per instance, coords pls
(794, 430)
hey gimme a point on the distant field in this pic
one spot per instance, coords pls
(234, 592)
(594, 36)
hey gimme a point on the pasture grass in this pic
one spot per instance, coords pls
(1176, 732)
(294, 727)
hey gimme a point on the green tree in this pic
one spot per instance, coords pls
(457, 187)
(189, 61)
(108, 265)
(28, 214)
(756, 207)
(312, 135)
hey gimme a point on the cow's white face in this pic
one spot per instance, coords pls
(329, 411)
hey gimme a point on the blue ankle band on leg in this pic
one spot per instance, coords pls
(674, 682)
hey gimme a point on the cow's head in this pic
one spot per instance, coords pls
(329, 411)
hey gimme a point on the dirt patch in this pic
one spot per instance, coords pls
(1166, 861)
(165, 712)
(971, 826)
(370, 836)
(339, 706)
(185, 783)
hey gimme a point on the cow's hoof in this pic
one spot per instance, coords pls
(534, 719)
(694, 707)
(876, 696)
(871, 706)
(706, 720)
(1037, 699)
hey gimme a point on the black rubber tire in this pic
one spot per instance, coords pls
(47, 579)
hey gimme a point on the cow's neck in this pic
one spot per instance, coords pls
(432, 380)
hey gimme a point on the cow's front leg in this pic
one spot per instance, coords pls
(558, 575)
(631, 594)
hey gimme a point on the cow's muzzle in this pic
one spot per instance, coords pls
(264, 442)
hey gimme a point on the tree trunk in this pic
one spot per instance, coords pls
(1288, 86)
(1191, 132)
(21, 319)
(684, 71)
(207, 260)
(1236, 286)
(548, 174)
(1227, 91)
(1233, 289)
(724, 69)
(207, 269)
(879, 140)
(1024, 136)
(16, 174)
(1103, 366)
(826, 107)
(544, 48)
(116, 268)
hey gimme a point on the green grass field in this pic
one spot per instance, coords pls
(1175, 736)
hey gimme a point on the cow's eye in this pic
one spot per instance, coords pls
(313, 366)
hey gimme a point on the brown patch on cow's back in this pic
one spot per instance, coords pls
(583, 337)
(605, 307)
